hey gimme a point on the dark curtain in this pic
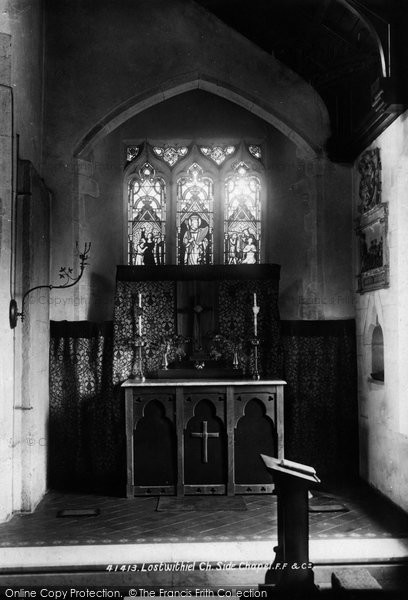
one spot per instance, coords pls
(159, 321)
(86, 424)
(86, 419)
(321, 417)
(236, 320)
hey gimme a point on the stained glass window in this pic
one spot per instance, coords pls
(256, 151)
(170, 154)
(146, 218)
(194, 217)
(203, 229)
(218, 154)
(132, 152)
(242, 216)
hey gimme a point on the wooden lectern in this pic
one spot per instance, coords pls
(291, 568)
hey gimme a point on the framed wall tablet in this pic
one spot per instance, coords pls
(372, 226)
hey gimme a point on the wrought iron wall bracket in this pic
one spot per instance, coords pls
(64, 273)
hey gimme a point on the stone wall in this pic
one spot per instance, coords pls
(124, 73)
(6, 336)
(383, 406)
(24, 251)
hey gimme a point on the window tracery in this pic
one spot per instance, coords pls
(132, 152)
(255, 150)
(215, 213)
(146, 218)
(170, 154)
(218, 154)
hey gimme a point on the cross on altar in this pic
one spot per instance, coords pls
(205, 435)
(195, 329)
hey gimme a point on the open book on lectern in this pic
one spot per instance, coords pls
(289, 467)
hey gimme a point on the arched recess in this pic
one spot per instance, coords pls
(155, 445)
(137, 104)
(377, 353)
(255, 429)
(205, 442)
(373, 340)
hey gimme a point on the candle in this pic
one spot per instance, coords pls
(255, 310)
(140, 316)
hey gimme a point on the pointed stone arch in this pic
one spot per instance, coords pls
(137, 104)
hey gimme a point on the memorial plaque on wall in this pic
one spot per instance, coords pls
(372, 225)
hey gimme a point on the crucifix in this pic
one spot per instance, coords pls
(205, 435)
(195, 317)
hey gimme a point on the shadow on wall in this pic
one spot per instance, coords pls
(100, 298)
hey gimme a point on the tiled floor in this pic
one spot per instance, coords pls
(123, 521)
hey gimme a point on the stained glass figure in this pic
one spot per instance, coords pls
(256, 151)
(170, 154)
(146, 218)
(132, 152)
(195, 217)
(242, 216)
(218, 154)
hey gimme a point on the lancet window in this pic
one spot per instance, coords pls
(195, 218)
(146, 218)
(242, 225)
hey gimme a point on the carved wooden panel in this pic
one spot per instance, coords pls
(167, 400)
(193, 397)
(155, 448)
(192, 439)
(248, 447)
(205, 448)
(242, 398)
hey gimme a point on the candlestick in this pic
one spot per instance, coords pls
(137, 369)
(140, 316)
(255, 310)
(255, 372)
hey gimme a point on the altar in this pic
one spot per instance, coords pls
(197, 353)
(201, 436)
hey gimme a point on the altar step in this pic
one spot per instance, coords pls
(340, 581)
(199, 566)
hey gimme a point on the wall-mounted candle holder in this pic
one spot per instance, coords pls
(64, 273)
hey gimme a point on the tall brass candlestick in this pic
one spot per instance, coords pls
(140, 316)
(255, 310)
(137, 370)
(255, 340)
(255, 373)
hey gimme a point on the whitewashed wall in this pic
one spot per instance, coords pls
(383, 407)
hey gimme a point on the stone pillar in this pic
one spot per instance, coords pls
(6, 236)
